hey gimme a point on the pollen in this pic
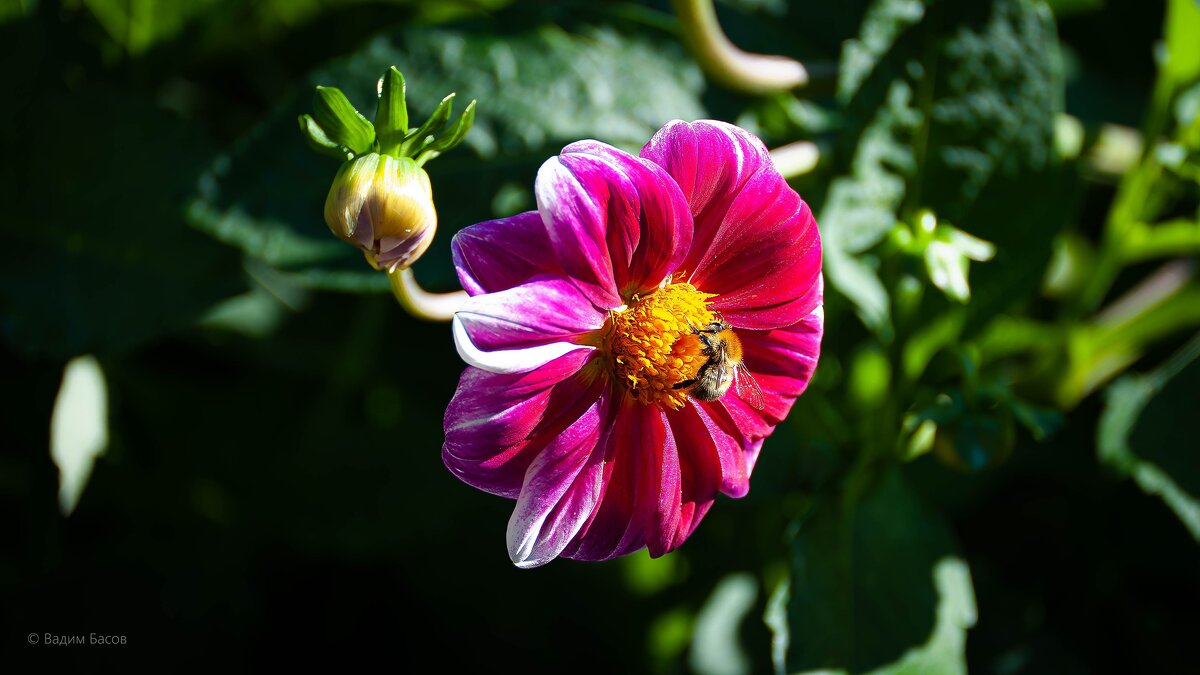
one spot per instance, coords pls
(652, 345)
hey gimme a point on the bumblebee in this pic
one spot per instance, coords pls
(724, 367)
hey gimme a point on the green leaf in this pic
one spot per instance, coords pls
(341, 121)
(138, 26)
(391, 115)
(450, 139)
(422, 136)
(716, 644)
(861, 207)
(955, 112)
(875, 585)
(1126, 403)
(318, 141)
(265, 194)
(884, 22)
(997, 95)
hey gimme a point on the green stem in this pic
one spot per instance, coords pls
(724, 62)
(421, 303)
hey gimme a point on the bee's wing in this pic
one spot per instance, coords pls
(746, 387)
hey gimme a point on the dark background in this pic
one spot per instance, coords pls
(274, 484)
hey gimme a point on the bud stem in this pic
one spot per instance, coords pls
(421, 303)
(743, 71)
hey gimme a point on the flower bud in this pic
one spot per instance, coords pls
(384, 206)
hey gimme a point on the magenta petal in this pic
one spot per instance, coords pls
(618, 225)
(497, 423)
(649, 226)
(714, 439)
(561, 489)
(640, 505)
(783, 360)
(756, 243)
(701, 467)
(524, 327)
(765, 264)
(500, 254)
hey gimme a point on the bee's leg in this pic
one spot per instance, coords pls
(685, 383)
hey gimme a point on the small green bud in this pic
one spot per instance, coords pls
(384, 206)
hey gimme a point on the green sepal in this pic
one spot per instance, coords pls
(451, 139)
(341, 122)
(419, 138)
(318, 140)
(391, 116)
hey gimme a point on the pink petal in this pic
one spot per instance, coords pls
(619, 226)
(640, 505)
(702, 472)
(522, 328)
(561, 489)
(716, 446)
(756, 243)
(497, 423)
(783, 360)
(649, 226)
(499, 254)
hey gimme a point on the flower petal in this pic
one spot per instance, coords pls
(497, 423)
(701, 461)
(640, 505)
(561, 489)
(756, 243)
(524, 327)
(716, 446)
(618, 225)
(500, 254)
(649, 226)
(783, 360)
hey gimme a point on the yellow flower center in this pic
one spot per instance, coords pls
(652, 344)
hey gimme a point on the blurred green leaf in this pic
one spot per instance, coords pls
(945, 652)
(874, 582)
(1183, 47)
(538, 90)
(11, 10)
(999, 90)
(883, 24)
(1125, 402)
(950, 101)
(99, 257)
(861, 207)
(716, 645)
(138, 25)
(78, 428)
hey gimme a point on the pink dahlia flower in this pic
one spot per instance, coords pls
(591, 320)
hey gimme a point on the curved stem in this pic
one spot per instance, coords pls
(421, 303)
(721, 59)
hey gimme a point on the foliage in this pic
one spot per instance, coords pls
(994, 468)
